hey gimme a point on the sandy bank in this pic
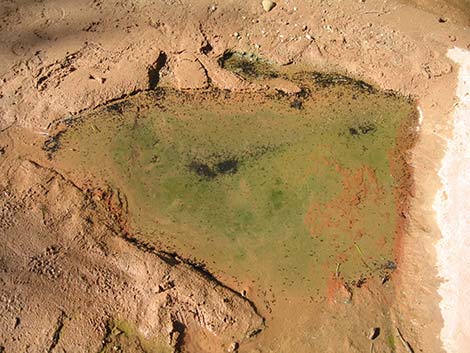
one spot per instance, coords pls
(452, 206)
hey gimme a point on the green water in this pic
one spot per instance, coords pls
(256, 189)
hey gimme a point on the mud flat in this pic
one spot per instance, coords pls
(452, 207)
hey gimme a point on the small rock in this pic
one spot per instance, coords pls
(390, 265)
(268, 5)
(296, 104)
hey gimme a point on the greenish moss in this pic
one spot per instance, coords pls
(252, 186)
(391, 342)
(122, 336)
(249, 66)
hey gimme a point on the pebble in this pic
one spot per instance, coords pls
(268, 5)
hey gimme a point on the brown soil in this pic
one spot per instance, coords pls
(61, 246)
(67, 266)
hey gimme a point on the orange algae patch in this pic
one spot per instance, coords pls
(360, 192)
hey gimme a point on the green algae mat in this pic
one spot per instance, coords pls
(279, 190)
(122, 336)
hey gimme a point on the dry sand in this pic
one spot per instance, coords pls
(452, 207)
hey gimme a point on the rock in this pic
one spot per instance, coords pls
(268, 5)
(296, 104)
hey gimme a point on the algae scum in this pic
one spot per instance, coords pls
(277, 191)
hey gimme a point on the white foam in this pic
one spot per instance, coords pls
(452, 206)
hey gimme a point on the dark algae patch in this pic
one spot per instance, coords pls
(362, 129)
(228, 166)
(209, 171)
(202, 170)
(276, 193)
(247, 65)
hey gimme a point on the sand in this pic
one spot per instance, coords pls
(452, 207)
